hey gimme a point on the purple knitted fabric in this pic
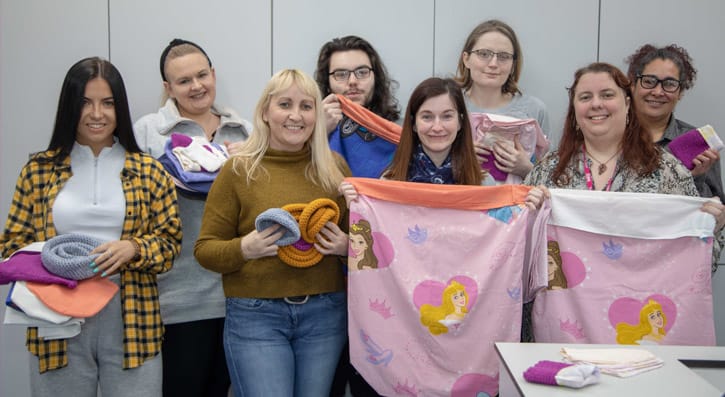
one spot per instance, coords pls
(492, 169)
(687, 146)
(28, 266)
(545, 372)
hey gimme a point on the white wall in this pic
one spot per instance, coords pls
(248, 40)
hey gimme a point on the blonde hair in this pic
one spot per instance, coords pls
(325, 169)
(629, 334)
(430, 315)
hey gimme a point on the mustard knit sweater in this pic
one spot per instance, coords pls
(230, 211)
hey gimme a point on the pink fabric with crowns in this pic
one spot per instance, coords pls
(627, 256)
(420, 253)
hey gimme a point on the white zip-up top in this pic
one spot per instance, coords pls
(92, 202)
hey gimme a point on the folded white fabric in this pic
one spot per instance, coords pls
(197, 153)
(46, 329)
(619, 362)
(24, 299)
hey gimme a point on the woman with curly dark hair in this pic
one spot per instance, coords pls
(660, 76)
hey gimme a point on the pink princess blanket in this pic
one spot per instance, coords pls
(627, 268)
(435, 277)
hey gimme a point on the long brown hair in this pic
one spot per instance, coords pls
(466, 169)
(638, 151)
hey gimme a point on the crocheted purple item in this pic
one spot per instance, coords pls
(492, 169)
(27, 266)
(302, 245)
(545, 372)
(687, 146)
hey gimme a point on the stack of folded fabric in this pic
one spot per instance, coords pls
(53, 287)
(619, 362)
(491, 128)
(192, 162)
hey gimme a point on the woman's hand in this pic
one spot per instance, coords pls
(260, 244)
(512, 159)
(704, 161)
(348, 191)
(113, 255)
(716, 209)
(332, 110)
(233, 147)
(536, 196)
(332, 240)
(481, 151)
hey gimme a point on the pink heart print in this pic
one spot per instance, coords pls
(626, 310)
(431, 292)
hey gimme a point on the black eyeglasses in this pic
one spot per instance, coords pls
(649, 82)
(361, 73)
(487, 55)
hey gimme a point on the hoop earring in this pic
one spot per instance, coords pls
(626, 120)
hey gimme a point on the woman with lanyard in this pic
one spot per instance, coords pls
(604, 147)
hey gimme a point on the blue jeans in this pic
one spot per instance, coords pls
(277, 348)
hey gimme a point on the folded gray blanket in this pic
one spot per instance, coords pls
(68, 255)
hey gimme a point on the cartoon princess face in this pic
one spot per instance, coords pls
(439, 319)
(358, 245)
(656, 319)
(552, 266)
(459, 299)
(650, 329)
(361, 253)
(557, 278)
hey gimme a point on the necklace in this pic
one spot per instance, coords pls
(602, 165)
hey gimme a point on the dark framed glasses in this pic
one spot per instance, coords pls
(342, 75)
(649, 82)
(487, 55)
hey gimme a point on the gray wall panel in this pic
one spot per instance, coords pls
(39, 41)
(235, 35)
(402, 35)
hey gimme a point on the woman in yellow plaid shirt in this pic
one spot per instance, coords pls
(94, 180)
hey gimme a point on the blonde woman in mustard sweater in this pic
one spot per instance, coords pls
(285, 325)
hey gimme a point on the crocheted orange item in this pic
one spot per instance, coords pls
(312, 217)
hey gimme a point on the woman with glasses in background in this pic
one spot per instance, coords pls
(660, 76)
(488, 72)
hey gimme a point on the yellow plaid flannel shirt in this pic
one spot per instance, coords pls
(151, 220)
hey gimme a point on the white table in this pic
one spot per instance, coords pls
(673, 379)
